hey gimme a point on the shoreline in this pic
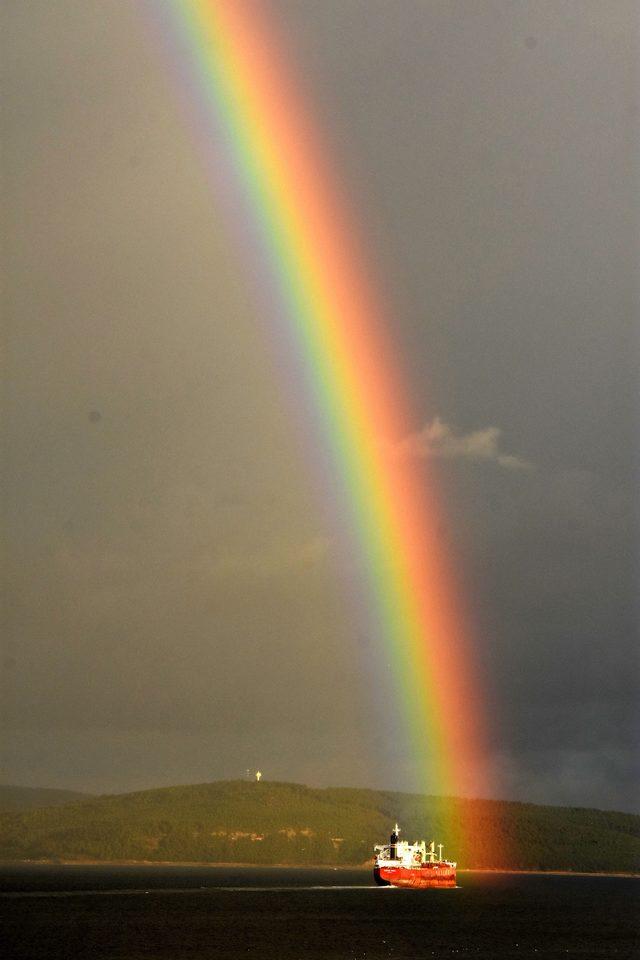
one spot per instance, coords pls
(303, 866)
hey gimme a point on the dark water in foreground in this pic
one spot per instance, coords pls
(175, 913)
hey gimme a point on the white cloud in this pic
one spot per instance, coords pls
(438, 439)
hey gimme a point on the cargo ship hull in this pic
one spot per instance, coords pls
(429, 875)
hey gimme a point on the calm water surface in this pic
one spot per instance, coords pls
(279, 913)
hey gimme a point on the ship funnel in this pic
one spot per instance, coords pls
(393, 842)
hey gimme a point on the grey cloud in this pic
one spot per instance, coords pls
(183, 596)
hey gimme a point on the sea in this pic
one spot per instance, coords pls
(195, 912)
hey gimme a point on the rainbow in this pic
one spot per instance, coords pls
(308, 241)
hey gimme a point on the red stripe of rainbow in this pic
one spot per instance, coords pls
(309, 242)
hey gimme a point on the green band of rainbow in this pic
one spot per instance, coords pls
(343, 344)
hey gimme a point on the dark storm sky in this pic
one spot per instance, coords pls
(177, 608)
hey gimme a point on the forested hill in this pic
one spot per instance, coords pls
(268, 823)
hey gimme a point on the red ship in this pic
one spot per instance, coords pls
(402, 864)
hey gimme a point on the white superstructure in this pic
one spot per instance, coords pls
(401, 853)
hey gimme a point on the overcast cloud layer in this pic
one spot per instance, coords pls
(178, 595)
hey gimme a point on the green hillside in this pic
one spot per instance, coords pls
(26, 798)
(265, 823)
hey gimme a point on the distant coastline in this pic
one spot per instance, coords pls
(241, 823)
(307, 866)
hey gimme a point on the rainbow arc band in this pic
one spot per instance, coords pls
(343, 342)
